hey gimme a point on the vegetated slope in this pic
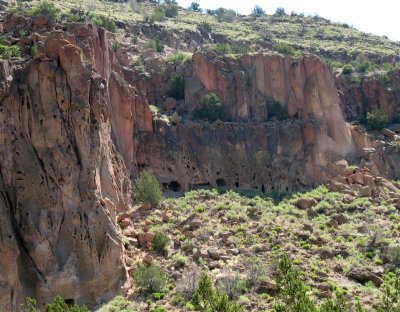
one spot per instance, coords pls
(314, 34)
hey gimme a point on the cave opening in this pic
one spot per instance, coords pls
(174, 186)
(221, 183)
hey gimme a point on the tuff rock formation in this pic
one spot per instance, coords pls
(75, 126)
(251, 153)
(67, 122)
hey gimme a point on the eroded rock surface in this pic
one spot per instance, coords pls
(67, 122)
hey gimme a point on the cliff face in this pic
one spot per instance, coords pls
(62, 177)
(269, 156)
(370, 94)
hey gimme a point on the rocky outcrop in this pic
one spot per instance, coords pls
(67, 125)
(370, 94)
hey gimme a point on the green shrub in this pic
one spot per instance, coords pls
(176, 89)
(204, 27)
(158, 15)
(58, 305)
(9, 51)
(211, 109)
(277, 110)
(45, 8)
(116, 45)
(155, 45)
(147, 189)
(103, 21)
(286, 49)
(208, 298)
(347, 69)
(363, 65)
(160, 242)
(179, 260)
(171, 9)
(158, 296)
(149, 278)
(224, 15)
(179, 56)
(119, 303)
(377, 119)
(231, 48)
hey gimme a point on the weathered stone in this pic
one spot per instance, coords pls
(306, 203)
(363, 276)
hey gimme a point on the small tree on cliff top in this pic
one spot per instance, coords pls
(147, 189)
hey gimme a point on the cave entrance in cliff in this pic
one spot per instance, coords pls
(70, 302)
(220, 183)
(174, 186)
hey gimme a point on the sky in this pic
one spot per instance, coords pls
(377, 17)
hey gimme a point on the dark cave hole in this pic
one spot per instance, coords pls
(221, 183)
(70, 302)
(237, 184)
(263, 188)
(174, 186)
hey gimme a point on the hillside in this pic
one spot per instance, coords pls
(198, 162)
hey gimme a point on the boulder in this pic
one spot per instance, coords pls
(363, 275)
(306, 203)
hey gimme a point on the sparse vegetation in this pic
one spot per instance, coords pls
(9, 51)
(118, 304)
(45, 8)
(377, 119)
(58, 305)
(103, 21)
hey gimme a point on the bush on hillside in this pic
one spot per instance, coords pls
(9, 51)
(258, 11)
(280, 12)
(347, 69)
(119, 303)
(176, 88)
(160, 242)
(149, 278)
(45, 8)
(204, 27)
(103, 21)
(58, 305)
(286, 49)
(224, 15)
(211, 109)
(209, 298)
(156, 45)
(195, 7)
(147, 189)
(171, 8)
(377, 119)
(158, 15)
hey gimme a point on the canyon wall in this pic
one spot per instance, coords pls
(67, 123)
(75, 127)
(253, 153)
